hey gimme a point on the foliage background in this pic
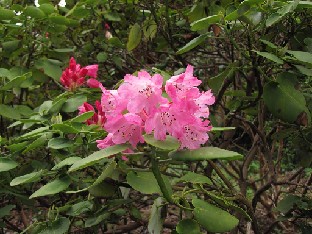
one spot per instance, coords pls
(256, 57)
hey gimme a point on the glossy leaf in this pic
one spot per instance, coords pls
(270, 56)
(301, 56)
(134, 38)
(108, 171)
(64, 128)
(212, 218)
(6, 14)
(204, 153)
(4, 211)
(192, 44)
(97, 156)
(143, 182)
(155, 220)
(83, 117)
(34, 12)
(47, 8)
(73, 103)
(7, 164)
(195, 178)
(283, 100)
(60, 143)
(204, 23)
(56, 186)
(170, 143)
(59, 226)
(188, 226)
(66, 162)
(28, 178)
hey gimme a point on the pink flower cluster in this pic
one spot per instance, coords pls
(141, 106)
(74, 76)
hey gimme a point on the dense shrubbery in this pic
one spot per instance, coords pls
(253, 173)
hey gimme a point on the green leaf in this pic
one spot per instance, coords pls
(149, 29)
(97, 156)
(83, 117)
(65, 50)
(34, 12)
(134, 38)
(195, 178)
(10, 46)
(38, 142)
(204, 153)
(102, 57)
(169, 144)
(80, 208)
(57, 105)
(287, 203)
(103, 189)
(73, 103)
(212, 218)
(271, 57)
(188, 226)
(56, 186)
(115, 42)
(60, 143)
(9, 112)
(47, 8)
(272, 19)
(304, 70)
(15, 83)
(34, 133)
(7, 164)
(283, 100)
(50, 68)
(216, 82)
(204, 23)
(58, 19)
(192, 44)
(59, 226)
(95, 220)
(143, 182)
(112, 16)
(302, 56)
(66, 162)
(155, 221)
(5, 211)
(28, 178)
(283, 11)
(218, 129)
(108, 171)
(64, 128)
(6, 14)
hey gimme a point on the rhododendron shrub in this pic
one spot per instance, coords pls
(139, 106)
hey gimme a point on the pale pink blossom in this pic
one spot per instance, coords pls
(125, 128)
(142, 92)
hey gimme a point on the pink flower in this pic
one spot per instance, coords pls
(98, 118)
(203, 101)
(92, 70)
(111, 102)
(194, 135)
(125, 128)
(168, 119)
(74, 76)
(93, 83)
(106, 142)
(142, 92)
